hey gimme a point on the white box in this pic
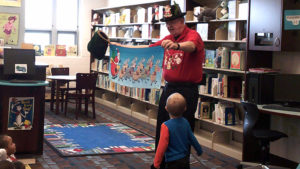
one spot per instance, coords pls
(163, 30)
(202, 29)
(232, 31)
(243, 11)
(149, 14)
(141, 15)
(196, 12)
(145, 31)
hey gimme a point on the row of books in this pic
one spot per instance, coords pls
(223, 85)
(52, 50)
(100, 65)
(220, 112)
(149, 95)
(59, 50)
(224, 58)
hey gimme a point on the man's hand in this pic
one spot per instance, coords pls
(168, 44)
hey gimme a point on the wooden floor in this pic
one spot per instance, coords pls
(51, 160)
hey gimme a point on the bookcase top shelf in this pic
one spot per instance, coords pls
(223, 20)
(234, 100)
(224, 70)
(145, 3)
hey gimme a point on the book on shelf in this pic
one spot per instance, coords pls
(61, 50)
(49, 50)
(72, 50)
(38, 50)
(149, 14)
(230, 116)
(237, 59)
(209, 57)
(202, 29)
(145, 31)
(1, 48)
(205, 110)
(224, 52)
(214, 86)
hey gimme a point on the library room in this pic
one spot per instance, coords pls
(160, 84)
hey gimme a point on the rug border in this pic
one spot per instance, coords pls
(78, 155)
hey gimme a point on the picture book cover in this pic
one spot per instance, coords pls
(209, 57)
(49, 50)
(1, 48)
(38, 50)
(60, 50)
(72, 50)
(20, 113)
(237, 59)
(9, 28)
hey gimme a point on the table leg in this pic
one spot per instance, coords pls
(52, 94)
(57, 97)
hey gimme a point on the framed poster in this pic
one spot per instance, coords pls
(9, 28)
(20, 113)
(16, 3)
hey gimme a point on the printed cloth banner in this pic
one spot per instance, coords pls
(136, 67)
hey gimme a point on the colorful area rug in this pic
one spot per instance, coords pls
(96, 138)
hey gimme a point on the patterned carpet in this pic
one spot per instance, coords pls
(51, 160)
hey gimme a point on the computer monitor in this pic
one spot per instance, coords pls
(19, 63)
(287, 89)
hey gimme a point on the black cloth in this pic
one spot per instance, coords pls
(190, 92)
(183, 163)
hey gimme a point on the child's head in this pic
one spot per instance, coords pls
(176, 105)
(7, 143)
(6, 165)
(19, 165)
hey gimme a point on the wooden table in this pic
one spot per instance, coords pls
(56, 81)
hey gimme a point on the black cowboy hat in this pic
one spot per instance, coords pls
(97, 46)
(172, 12)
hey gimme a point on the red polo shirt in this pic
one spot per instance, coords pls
(180, 66)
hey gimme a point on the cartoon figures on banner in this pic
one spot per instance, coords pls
(124, 70)
(9, 27)
(148, 67)
(155, 72)
(137, 74)
(114, 63)
(20, 114)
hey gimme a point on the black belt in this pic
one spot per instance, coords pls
(181, 84)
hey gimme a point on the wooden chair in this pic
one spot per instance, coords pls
(85, 90)
(63, 87)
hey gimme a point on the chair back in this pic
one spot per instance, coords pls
(86, 81)
(60, 71)
(253, 119)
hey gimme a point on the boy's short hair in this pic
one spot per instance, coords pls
(4, 164)
(3, 142)
(19, 165)
(176, 104)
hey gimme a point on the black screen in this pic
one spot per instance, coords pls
(19, 63)
(287, 88)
